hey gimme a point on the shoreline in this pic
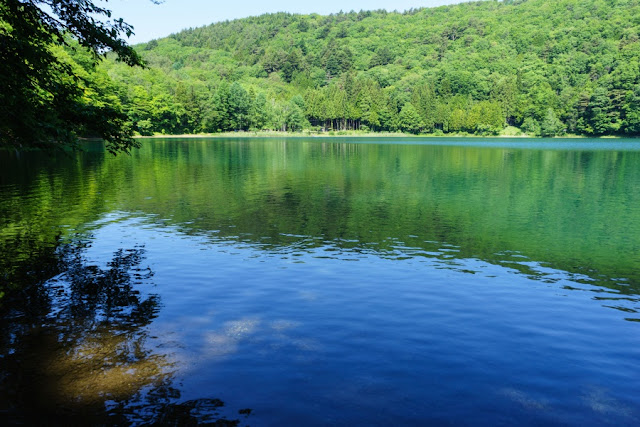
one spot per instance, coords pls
(356, 134)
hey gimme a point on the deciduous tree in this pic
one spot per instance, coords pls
(42, 99)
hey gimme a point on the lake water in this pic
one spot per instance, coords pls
(323, 282)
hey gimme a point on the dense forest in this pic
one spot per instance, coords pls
(546, 68)
(49, 98)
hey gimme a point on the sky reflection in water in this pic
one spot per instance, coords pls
(329, 283)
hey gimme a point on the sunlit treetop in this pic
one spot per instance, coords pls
(43, 102)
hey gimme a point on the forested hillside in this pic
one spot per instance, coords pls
(547, 67)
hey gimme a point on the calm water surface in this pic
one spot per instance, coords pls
(323, 282)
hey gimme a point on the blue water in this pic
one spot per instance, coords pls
(380, 317)
(330, 336)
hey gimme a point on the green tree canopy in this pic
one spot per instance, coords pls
(474, 67)
(550, 126)
(44, 102)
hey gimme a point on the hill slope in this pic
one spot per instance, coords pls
(547, 67)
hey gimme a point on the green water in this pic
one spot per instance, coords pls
(571, 209)
(323, 282)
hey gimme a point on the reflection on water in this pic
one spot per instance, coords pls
(76, 347)
(322, 282)
(566, 207)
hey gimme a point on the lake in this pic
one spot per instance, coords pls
(313, 281)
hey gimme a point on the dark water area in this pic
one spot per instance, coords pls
(322, 282)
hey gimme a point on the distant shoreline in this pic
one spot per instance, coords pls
(350, 134)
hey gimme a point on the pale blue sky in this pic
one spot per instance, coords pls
(155, 21)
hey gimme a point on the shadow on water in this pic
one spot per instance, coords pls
(556, 215)
(75, 347)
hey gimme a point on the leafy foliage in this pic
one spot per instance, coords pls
(546, 67)
(47, 99)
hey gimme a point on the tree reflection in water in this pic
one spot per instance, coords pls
(76, 347)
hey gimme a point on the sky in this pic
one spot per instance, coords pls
(151, 21)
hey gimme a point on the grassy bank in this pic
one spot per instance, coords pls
(509, 132)
(341, 133)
